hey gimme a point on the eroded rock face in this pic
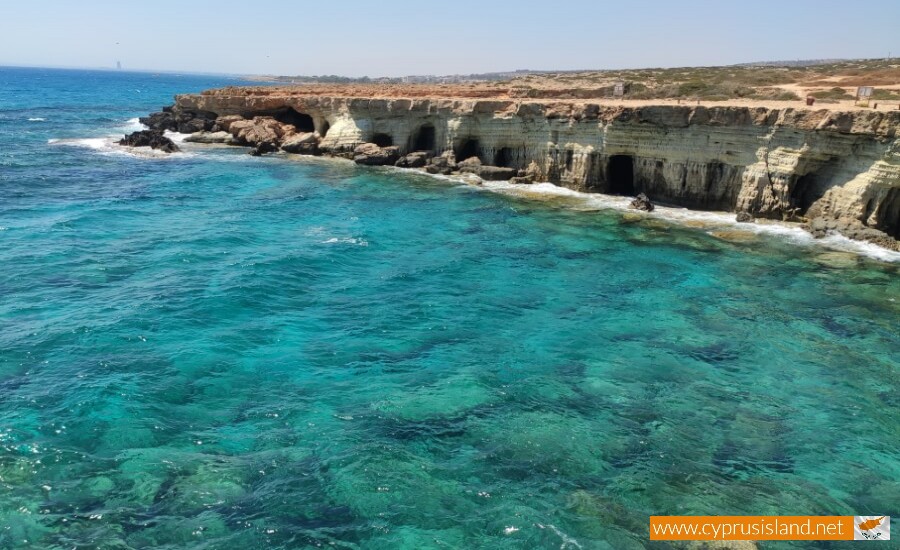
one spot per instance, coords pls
(793, 164)
(150, 138)
(261, 129)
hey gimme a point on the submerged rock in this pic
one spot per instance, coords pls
(150, 138)
(642, 202)
(735, 236)
(744, 217)
(371, 154)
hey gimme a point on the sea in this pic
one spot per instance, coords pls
(212, 350)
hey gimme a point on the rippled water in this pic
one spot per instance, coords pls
(212, 350)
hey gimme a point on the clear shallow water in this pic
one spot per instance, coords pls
(216, 351)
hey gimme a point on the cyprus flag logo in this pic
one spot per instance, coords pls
(871, 528)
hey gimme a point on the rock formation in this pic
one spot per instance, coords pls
(789, 164)
(641, 202)
(371, 154)
(150, 138)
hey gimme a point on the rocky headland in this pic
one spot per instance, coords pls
(830, 170)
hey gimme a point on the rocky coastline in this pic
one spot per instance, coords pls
(832, 171)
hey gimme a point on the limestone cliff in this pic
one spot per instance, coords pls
(836, 169)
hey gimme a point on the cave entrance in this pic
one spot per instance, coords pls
(325, 127)
(301, 121)
(805, 192)
(467, 149)
(424, 139)
(621, 175)
(383, 140)
(504, 157)
(889, 214)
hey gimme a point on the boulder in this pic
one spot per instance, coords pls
(370, 154)
(486, 172)
(224, 122)
(150, 138)
(469, 163)
(417, 159)
(444, 164)
(533, 171)
(521, 179)
(210, 137)
(262, 129)
(642, 202)
(744, 217)
(306, 143)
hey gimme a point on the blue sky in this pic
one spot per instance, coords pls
(394, 38)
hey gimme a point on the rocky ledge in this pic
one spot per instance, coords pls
(833, 171)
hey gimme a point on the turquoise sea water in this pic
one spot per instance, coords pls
(212, 350)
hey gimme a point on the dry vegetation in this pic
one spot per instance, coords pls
(833, 84)
(832, 81)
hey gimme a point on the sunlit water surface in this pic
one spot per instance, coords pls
(211, 350)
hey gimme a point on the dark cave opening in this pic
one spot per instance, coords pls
(383, 140)
(325, 128)
(621, 175)
(467, 149)
(889, 214)
(805, 191)
(424, 138)
(503, 157)
(301, 121)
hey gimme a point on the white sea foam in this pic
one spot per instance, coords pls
(704, 221)
(175, 136)
(346, 240)
(37, 119)
(110, 146)
(133, 125)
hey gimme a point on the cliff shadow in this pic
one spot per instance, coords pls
(382, 140)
